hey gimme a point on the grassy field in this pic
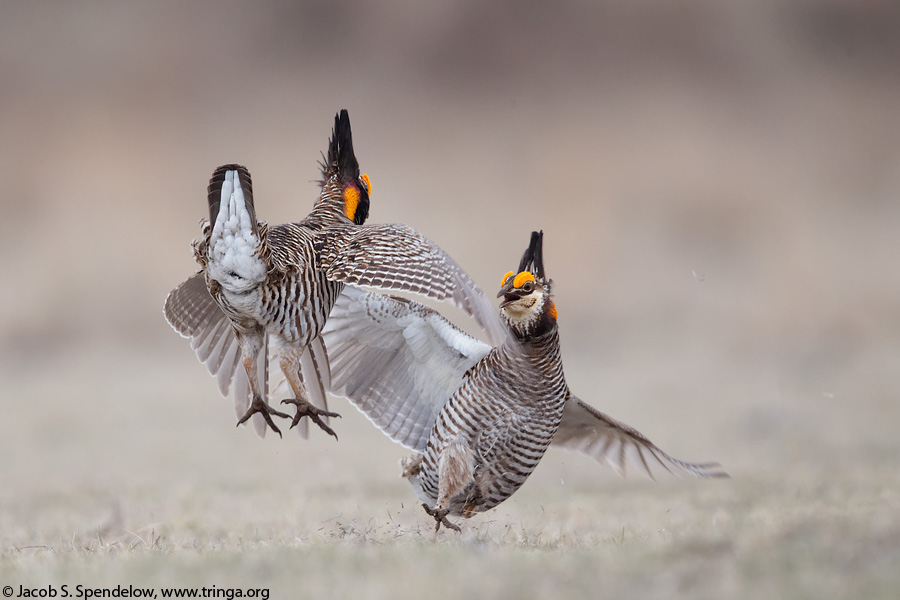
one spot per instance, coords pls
(174, 495)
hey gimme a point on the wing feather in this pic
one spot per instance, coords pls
(217, 348)
(193, 313)
(313, 372)
(231, 359)
(397, 257)
(586, 430)
(320, 356)
(189, 306)
(397, 361)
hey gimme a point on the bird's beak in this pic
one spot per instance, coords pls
(509, 296)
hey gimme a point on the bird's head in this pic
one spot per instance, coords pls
(526, 304)
(341, 180)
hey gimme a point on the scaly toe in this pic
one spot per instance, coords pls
(257, 405)
(305, 409)
(440, 517)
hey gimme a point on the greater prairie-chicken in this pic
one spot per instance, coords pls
(478, 417)
(260, 287)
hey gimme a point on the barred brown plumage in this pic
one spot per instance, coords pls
(478, 417)
(372, 256)
(246, 297)
(262, 287)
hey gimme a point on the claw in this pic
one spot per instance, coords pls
(259, 406)
(440, 515)
(315, 414)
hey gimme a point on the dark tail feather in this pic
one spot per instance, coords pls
(341, 159)
(214, 193)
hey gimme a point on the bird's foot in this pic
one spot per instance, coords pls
(440, 515)
(258, 405)
(315, 414)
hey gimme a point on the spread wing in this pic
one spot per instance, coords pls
(587, 430)
(194, 314)
(397, 257)
(397, 361)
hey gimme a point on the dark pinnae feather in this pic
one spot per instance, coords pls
(214, 192)
(537, 240)
(341, 160)
(528, 256)
(533, 259)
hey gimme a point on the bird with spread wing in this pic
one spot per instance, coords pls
(479, 417)
(266, 291)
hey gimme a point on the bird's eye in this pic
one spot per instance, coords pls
(528, 287)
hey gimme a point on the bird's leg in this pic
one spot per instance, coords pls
(455, 470)
(258, 404)
(455, 474)
(411, 466)
(290, 365)
(440, 516)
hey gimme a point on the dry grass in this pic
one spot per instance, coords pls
(176, 496)
(708, 543)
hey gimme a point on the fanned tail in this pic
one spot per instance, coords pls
(214, 193)
(236, 251)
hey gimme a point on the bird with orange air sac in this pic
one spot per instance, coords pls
(478, 418)
(266, 291)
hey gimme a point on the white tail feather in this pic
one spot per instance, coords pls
(233, 249)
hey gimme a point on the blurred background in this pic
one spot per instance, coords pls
(717, 183)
